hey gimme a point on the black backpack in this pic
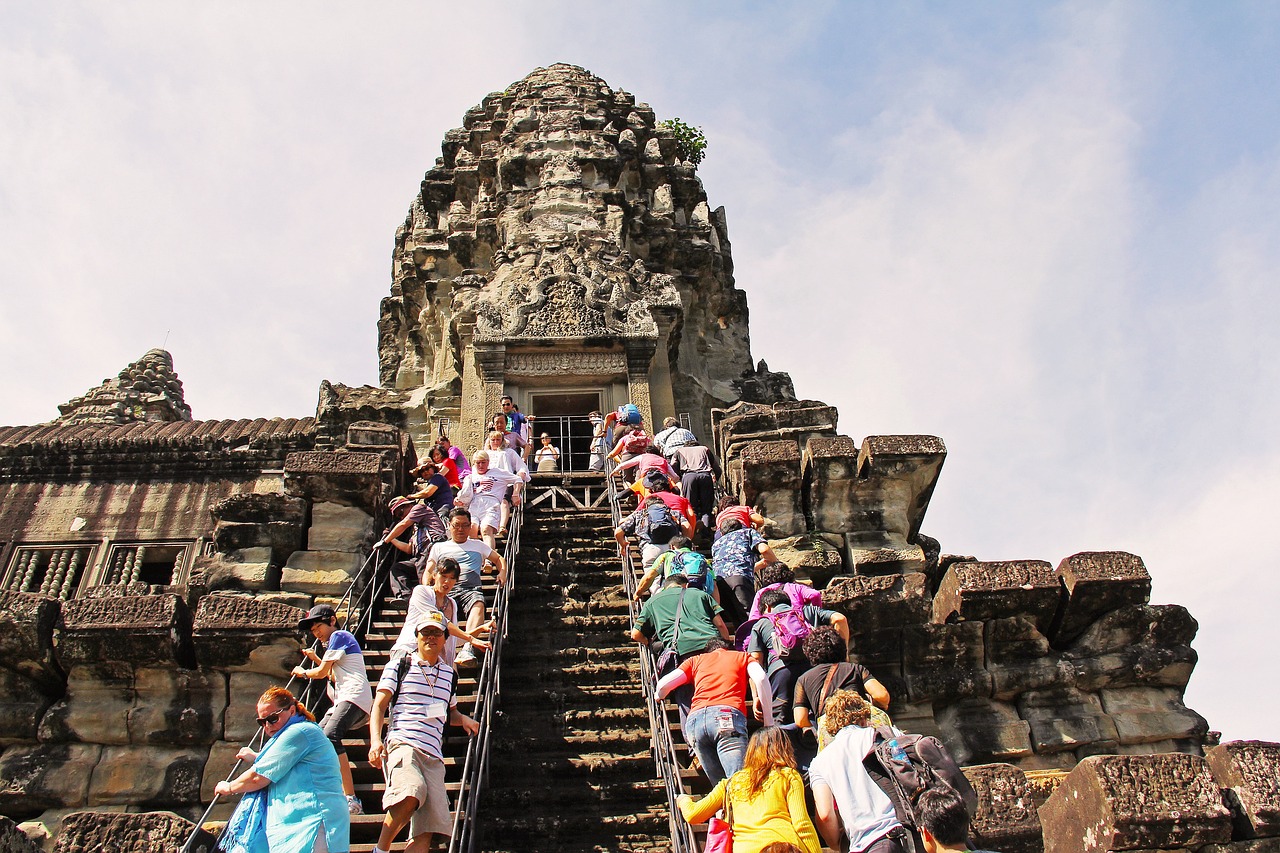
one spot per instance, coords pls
(905, 766)
(661, 523)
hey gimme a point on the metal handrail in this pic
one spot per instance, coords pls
(475, 766)
(664, 750)
(360, 623)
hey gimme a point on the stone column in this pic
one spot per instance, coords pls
(639, 356)
(662, 396)
(466, 434)
(491, 364)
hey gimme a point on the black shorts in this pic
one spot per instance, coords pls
(340, 719)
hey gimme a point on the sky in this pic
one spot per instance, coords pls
(1047, 233)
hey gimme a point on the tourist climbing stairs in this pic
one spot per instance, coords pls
(571, 767)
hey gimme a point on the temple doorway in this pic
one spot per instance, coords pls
(563, 416)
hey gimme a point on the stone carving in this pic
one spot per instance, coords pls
(14, 840)
(565, 363)
(1006, 819)
(235, 633)
(147, 390)
(1135, 802)
(141, 629)
(149, 832)
(544, 222)
(987, 590)
(1249, 770)
(1098, 582)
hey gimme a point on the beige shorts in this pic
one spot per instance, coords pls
(412, 773)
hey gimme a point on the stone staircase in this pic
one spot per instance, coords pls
(571, 768)
(368, 780)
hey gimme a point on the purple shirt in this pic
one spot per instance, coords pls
(459, 459)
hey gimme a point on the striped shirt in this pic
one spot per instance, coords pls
(422, 707)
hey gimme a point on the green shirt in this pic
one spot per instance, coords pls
(658, 617)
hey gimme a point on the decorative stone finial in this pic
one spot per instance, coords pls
(147, 390)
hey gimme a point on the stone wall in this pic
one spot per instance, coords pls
(132, 700)
(1018, 662)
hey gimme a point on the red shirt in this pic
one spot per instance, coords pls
(675, 503)
(741, 513)
(719, 678)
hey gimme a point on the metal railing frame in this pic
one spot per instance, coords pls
(475, 766)
(359, 619)
(663, 745)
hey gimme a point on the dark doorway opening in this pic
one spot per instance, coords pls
(563, 416)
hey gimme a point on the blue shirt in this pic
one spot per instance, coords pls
(305, 793)
(735, 555)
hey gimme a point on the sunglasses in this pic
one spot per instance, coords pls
(270, 719)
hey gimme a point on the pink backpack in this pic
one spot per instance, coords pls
(799, 594)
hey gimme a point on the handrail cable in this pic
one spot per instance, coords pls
(664, 749)
(358, 621)
(475, 767)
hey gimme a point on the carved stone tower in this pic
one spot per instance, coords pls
(561, 252)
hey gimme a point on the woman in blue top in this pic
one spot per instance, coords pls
(294, 801)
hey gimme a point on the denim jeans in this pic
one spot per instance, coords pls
(718, 734)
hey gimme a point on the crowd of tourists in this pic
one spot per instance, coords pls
(740, 645)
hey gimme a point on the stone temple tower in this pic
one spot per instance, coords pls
(560, 251)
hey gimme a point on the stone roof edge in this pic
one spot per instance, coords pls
(143, 434)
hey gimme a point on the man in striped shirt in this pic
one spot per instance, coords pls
(423, 690)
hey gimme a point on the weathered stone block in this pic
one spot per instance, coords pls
(339, 528)
(812, 556)
(1066, 719)
(240, 722)
(1250, 845)
(14, 840)
(148, 832)
(147, 775)
(177, 707)
(137, 629)
(337, 476)
(974, 591)
(48, 776)
(246, 568)
(914, 717)
(876, 603)
(886, 561)
(980, 730)
(830, 471)
(1250, 771)
(1006, 819)
(1019, 658)
(771, 482)
(1098, 582)
(944, 661)
(222, 760)
(234, 633)
(26, 637)
(95, 708)
(1125, 802)
(1149, 714)
(320, 572)
(23, 706)
(1133, 645)
(896, 478)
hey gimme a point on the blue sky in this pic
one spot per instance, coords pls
(1046, 233)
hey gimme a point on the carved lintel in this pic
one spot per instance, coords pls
(566, 363)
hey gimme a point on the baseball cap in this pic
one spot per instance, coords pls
(432, 619)
(319, 613)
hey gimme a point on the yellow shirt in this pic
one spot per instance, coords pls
(777, 813)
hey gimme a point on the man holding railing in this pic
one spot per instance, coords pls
(420, 692)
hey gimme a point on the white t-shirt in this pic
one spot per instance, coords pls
(350, 682)
(482, 492)
(470, 556)
(866, 812)
(421, 602)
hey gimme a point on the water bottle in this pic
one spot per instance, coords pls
(897, 753)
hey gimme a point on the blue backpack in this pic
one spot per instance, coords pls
(661, 523)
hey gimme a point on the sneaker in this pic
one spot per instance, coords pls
(354, 806)
(466, 658)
